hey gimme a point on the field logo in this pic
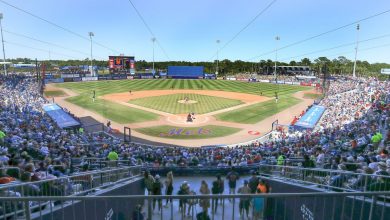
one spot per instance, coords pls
(183, 131)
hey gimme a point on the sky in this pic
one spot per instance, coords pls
(188, 30)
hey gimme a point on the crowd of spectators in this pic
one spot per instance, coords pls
(356, 111)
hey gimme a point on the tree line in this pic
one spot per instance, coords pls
(340, 65)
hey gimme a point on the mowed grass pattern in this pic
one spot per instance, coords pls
(208, 131)
(113, 111)
(117, 86)
(124, 114)
(257, 112)
(170, 104)
(54, 93)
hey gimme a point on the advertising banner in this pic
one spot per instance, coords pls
(63, 119)
(310, 118)
(89, 78)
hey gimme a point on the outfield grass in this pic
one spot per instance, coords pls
(209, 131)
(113, 111)
(116, 86)
(257, 112)
(54, 93)
(170, 104)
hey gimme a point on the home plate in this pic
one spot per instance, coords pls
(182, 119)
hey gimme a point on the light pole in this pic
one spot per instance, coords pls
(153, 40)
(90, 37)
(216, 72)
(277, 38)
(2, 41)
(356, 49)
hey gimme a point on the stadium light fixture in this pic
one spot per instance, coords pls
(277, 38)
(153, 40)
(218, 41)
(356, 49)
(91, 34)
(2, 42)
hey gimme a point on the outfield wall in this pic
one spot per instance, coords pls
(185, 72)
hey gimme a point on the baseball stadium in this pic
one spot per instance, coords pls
(194, 110)
(223, 112)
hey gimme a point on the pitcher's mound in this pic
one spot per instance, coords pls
(187, 101)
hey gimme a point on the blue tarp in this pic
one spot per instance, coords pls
(63, 119)
(310, 118)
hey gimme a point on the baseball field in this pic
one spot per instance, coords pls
(160, 108)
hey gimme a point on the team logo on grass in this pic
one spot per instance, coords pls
(185, 132)
(254, 132)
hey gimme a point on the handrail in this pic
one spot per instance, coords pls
(82, 174)
(210, 196)
(325, 170)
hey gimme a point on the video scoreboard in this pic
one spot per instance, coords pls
(121, 64)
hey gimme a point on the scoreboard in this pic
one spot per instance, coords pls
(121, 64)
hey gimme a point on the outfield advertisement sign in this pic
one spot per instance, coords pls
(89, 78)
(310, 118)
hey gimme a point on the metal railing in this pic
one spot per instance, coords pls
(77, 184)
(100, 163)
(250, 206)
(337, 180)
(334, 180)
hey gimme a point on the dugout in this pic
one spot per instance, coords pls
(185, 72)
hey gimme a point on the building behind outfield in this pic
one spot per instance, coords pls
(185, 72)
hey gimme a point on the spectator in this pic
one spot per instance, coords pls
(184, 190)
(232, 178)
(149, 182)
(157, 190)
(253, 182)
(204, 203)
(244, 202)
(258, 206)
(169, 186)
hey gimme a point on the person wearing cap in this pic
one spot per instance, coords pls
(244, 202)
(157, 190)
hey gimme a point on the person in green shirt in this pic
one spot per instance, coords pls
(2, 136)
(113, 159)
(112, 156)
(280, 160)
